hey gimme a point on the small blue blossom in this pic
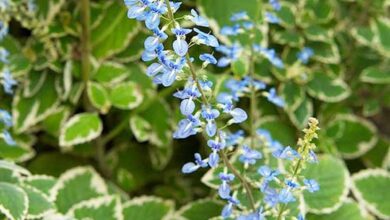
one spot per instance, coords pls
(258, 215)
(8, 81)
(231, 30)
(180, 45)
(271, 18)
(8, 138)
(274, 98)
(5, 118)
(4, 55)
(3, 30)
(286, 153)
(312, 185)
(270, 54)
(208, 58)
(31, 6)
(231, 53)
(275, 4)
(224, 188)
(247, 25)
(192, 167)
(227, 209)
(291, 184)
(4, 4)
(187, 127)
(199, 20)
(210, 115)
(249, 156)
(271, 196)
(239, 16)
(305, 54)
(206, 39)
(285, 196)
(268, 173)
(215, 146)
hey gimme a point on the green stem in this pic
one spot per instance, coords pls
(85, 41)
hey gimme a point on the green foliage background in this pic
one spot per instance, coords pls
(106, 140)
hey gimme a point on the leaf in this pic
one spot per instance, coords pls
(54, 122)
(14, 168)
(301, 115)
(317, 33)
(200, 209)
(348, 210)
(98, 96)
(110, 73)
(375, 75)
(382, 28)
(76, 185)
(13, 201)
(327, 89)
(286, 14)
(114, 32)
(29, 111)
(240, 67)
(46, 11)
(18, 153)
(80, 128)
(150, 208)
(377, 155)
(126, 96)
(39, 204)
(351, 135)
(333, 179)
(288, 37)
(370, 187)
(140, 127)
(34, 82)
(326, 52)
(107, 208)
(364, 35)
(42, 183)
(292, 94)
(279, 130)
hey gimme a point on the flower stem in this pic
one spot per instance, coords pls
(85, 41)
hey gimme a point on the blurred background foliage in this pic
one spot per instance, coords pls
(126, 122)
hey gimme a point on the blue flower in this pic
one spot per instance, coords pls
(274, 98)
(5, 118)
(3, 30)
(286, 153)
(151, 43)
(31, 6)
(312, 185)
(305, 54)
(4, 4)
(271, 18)
(210, 115)
(227, 209)
(271, 196)
(8, 81)
(192, 167)
(199, 20)
(268, 173)
(248, 25)
(285, 196)
(215, 146)
(270, 54)
(238, 114)
(275, 4)
(187, 127)
(224, 188)
(208, 58)
(258, 215)
(231, 30)
(8, 138)
(205, 39)
(249, 156)
(4, 55)
(180, 45)
(234, 138)
(291, 184)
(242, 15)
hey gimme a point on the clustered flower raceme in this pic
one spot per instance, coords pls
(168, 65)
(6, 78)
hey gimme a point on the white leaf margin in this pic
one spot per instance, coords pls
(40, 215)
(139, 201)
(97, 183)
(6, 211)
(96, 203)
(363, 174)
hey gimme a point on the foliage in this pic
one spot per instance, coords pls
(89, 124)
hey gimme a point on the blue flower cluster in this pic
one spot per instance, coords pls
(202, 112)
(6, 77)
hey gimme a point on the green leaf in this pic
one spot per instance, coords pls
(140, 127)
(240, 67)
(382, 27)
(98, 96)
(126, 96)
(13, 201)
(375, 75)
(377, 155)
(370, 187)
(42, 183)
(328, 89)
(150, 208)
(348, 210)
(110, 73)
(287, 15)
(364, 35)
(292, 93)
(326, 52)
(300, 116)
(55, 121)
(351, 135)
(34, 82)
(28, 111)
(333, 178)
(77, 185)
(288, 37)
(317, 33)
(201, 209)
(14, 168)
(18, 153)
(46, 11)
(107, 208)
(279, 130)
(39, 203)
(114, 32)
(80, 128)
